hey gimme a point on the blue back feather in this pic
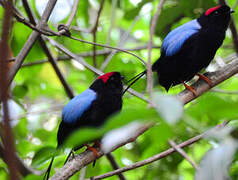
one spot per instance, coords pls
(78, 105)
(176, 38)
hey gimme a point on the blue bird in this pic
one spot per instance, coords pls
(190, 48)
(91, 108)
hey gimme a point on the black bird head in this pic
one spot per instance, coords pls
(217, 18)
(111, 81)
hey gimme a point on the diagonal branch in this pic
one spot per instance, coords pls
(183, 153)
(152, 30)
(115, 166)
(83, 159)
(48, 53)
(157, 156)
(94, 32)
(216, 78)
(31, 40)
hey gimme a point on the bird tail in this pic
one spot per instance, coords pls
(47, 173)
(134, 79)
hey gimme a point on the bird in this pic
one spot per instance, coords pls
(91, 108)
(189, 48)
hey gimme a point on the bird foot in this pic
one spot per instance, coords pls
(93, 149)
(97, 144)
(206, 79)
(190, 88)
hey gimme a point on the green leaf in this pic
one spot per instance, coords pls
(20, 90)
(42, 155)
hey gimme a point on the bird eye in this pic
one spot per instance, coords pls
(216, 12)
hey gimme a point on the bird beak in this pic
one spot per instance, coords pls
(232, 11)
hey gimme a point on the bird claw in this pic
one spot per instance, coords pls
(190, 88)
(206, 79)
(93, 149)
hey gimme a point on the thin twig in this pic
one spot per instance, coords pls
(110, 47)
(88, 66)
(183, 153)
(157, 156)
(7, 136)
(94, 33)
(51, 59)
(115, 165)
(31, 40)
(149, 67)
(87, 157)
(20, 18)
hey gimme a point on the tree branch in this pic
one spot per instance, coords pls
(23, 169)
(115, 165)
(149, 67)
(51, 59)
(85, 158)
(157, 156)
(183, 153)
(30, 42)
(94, 33)
(216, 78)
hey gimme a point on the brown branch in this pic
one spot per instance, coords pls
(31, 40)
(23, 169)
(51, 59)
(7, 136)
(216, 78)
(83, 54)
(20, 18)
(183, 153)
(115, 165)
(157, 156)
(94, 33)
(83, 159)
(152, 30)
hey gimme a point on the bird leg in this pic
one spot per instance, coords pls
(190, 88)
(97, 144)
(93, 149)
(206, 79)
(69, 156)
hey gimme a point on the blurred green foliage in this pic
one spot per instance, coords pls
(40, 97)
